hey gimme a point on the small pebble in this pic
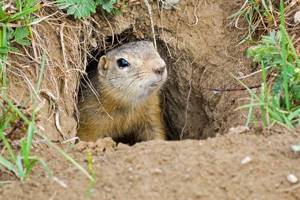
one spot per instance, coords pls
(295, 148)
(169, 4)
(238, 130)
(297, 17)
(246, 160)
(292, 179)
(157, 171)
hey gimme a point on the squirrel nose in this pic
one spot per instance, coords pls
(159, 70)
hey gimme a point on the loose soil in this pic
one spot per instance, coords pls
(201, 51)
(190, 169)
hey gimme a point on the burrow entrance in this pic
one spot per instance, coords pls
(201, 54)
(184, 110)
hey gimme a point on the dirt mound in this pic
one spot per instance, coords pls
(209, 169)
(199, 50)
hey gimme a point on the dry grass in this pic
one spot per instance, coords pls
(263, 17)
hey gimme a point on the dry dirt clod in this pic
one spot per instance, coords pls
(106, 144)
(101, 145)
(122, 146)
(292, 179)
(81, 146)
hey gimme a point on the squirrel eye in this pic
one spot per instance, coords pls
(122, 63)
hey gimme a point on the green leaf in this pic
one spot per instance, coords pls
(21, 33)
(20, 36)
(277, 87)
(106, 5)
(296, 91)
(78, 8)
(30, 3)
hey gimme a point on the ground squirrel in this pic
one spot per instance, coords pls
(128, 79)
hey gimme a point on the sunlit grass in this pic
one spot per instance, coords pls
(279, 97)
(15, 28)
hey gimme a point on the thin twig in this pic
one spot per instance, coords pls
(187, 105)
(151, 21)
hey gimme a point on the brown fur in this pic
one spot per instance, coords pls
(125, 111)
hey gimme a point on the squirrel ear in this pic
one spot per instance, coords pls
(102, 65)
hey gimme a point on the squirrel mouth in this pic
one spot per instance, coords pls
(155, 84)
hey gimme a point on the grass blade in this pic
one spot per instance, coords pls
(7, 164)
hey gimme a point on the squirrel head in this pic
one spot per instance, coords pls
(132, 72)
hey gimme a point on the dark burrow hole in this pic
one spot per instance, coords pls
(171, 126)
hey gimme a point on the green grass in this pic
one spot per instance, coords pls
(91, 170)
(21, 162)
(279, 97)
(85, 8)
(15, 29)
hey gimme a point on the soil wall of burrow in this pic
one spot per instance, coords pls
(194, 40)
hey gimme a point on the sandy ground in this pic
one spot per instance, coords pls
(190, 169)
